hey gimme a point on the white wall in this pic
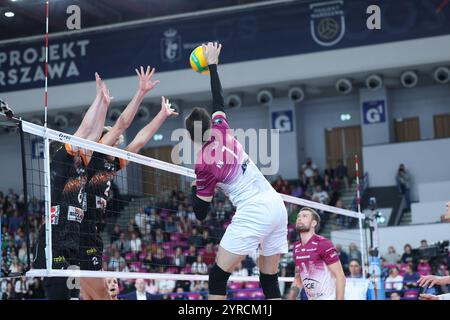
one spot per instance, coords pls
(424, 102)
(434, 191)
(315, 116)
(331, 63)
(427, 161)
(427, 212)
(398, 236)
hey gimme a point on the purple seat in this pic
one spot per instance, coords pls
(194, 296)
(129, 256)
(175, 237)
(186, 270)
(235, 285)
(171, 270)
(243, 295)
(251, 285)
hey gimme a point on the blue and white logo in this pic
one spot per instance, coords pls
(374, 112)
(171, 46)
(282, 120)
(327, 22)
(37, 149)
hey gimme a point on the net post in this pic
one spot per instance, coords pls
(25, 193)
(358, 200)
(48, 206)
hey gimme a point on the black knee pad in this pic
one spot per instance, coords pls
(218, 281)
(269, 284)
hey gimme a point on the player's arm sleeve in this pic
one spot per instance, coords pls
(216, 90)
(328, 252)
(205, 184)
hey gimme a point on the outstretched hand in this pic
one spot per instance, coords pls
(166, 108)
(105, 93)
(430, 281)
(211, 51)
(145, 79)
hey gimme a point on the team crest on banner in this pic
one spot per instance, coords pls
(327, 22)
(171, 46)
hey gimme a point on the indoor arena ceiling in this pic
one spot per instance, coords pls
(23, 18)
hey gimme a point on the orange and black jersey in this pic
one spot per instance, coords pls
(69, 178)
(102, 172)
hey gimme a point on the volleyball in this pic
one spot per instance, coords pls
(198, 61)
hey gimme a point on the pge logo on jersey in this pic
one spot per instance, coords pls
(374, 112)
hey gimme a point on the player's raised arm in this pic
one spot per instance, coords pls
(211, 51)
(96, 113)
(146, 133)
(126, 118)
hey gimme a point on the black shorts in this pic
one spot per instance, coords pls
(91, 248)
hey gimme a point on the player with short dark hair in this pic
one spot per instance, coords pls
(261, 216)
(320, 270)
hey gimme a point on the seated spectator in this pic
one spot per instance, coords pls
(151, 287)
(354, 267)
(342, 174)
(191, 256)
(423, 244)
(179, 259)
(239, 271)
(147, 263)
(384, 269)
(248, 263)
(392, 257)
(115, 235)
(115, 261)
(446, 217)
(165, 285)
(160, 260)
(343, 257)
(199, 267)
(353, 252)
(181, 212)
(171, 226)
(159, 236)
(135, 243)
(407, 256)
(394, 281)
(278, 183)
(297, 191)
(209, 257)
(320, 195)
(123, 244)
(423, 267)
(9, 293)
(308, 171)
(21, 288)
(410, 277)
(180, 294)
(143, 222)
(395, 296)
(195, 239)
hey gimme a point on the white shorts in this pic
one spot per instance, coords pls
(260, 221)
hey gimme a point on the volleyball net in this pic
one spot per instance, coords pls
(147, 227)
